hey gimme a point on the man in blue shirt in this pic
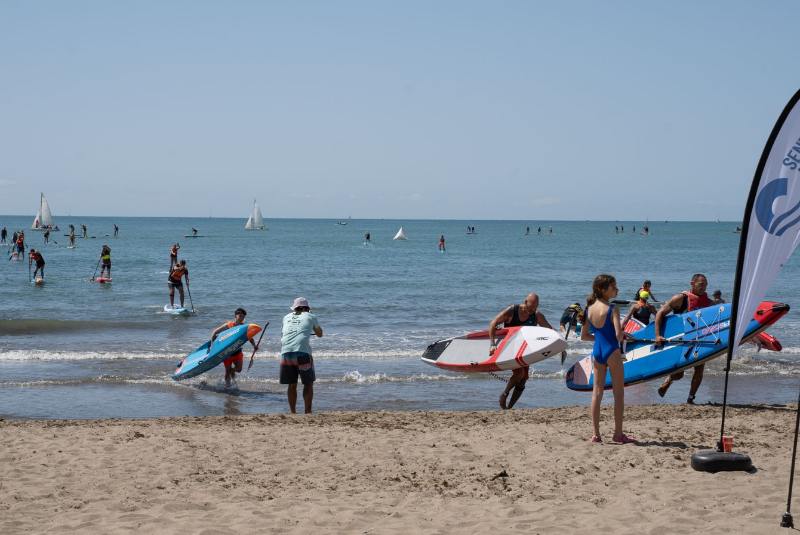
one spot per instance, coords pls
(296, 359)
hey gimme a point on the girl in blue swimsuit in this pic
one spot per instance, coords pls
(606, 354)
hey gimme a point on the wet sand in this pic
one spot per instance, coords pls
(395, 472)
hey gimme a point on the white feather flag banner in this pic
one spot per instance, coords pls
(771, 227)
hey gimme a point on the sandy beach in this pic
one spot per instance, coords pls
(395, 472)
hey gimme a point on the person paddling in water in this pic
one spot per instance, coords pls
(366, 237)
(36, 256)
(194, 231)
(441, 243)
(174, 281)
(606, 354)
(105, 261)
(516, 316)
(233, 364)
(173, 255)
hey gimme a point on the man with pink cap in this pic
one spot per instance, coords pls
(296, 359)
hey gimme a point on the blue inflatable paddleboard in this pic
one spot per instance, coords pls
(228, 343)
(176, 310)
(692, 338)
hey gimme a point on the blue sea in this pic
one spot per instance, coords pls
(73, 349)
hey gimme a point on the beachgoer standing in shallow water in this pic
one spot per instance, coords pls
(694, 299)
(606, 354)
(516, 316)
(233, 364)
(296, 359)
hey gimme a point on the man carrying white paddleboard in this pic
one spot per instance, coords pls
(680, 303)
(514, 316)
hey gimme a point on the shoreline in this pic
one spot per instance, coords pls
(395, 472)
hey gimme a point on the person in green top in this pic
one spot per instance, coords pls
(105, 261)
(296, 359)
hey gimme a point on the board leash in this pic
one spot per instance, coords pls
(498, 377)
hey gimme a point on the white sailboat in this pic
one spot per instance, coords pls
(256, 220)
(44, 219)
(400, 235)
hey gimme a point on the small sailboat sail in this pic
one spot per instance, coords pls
(256, 221)
(44, 219)
(400, 235)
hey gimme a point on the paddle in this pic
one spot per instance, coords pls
(29, 270)
(190, 295)
(253, 356)
(629, 301)
(95, 270)
(635, 340)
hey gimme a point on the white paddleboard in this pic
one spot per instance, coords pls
(516, 347)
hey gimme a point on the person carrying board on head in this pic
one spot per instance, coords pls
(233, 364)
(516, 316)
(173, 255)
(36, 256)
(694, 299)
(174, 281)
(296, 358)
(105, 261)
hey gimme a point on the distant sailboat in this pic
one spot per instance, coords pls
(400, 235)
(44, 219)
(256, 220)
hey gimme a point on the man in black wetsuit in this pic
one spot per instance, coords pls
(517, 315)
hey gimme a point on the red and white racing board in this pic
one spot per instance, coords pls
(516, 347)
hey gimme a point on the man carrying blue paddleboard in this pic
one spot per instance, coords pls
(684, 302)
(233, 364)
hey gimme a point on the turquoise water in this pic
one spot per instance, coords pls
(76, 349)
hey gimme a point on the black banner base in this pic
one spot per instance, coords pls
(718, 461)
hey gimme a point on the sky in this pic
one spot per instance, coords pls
(436, 109)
